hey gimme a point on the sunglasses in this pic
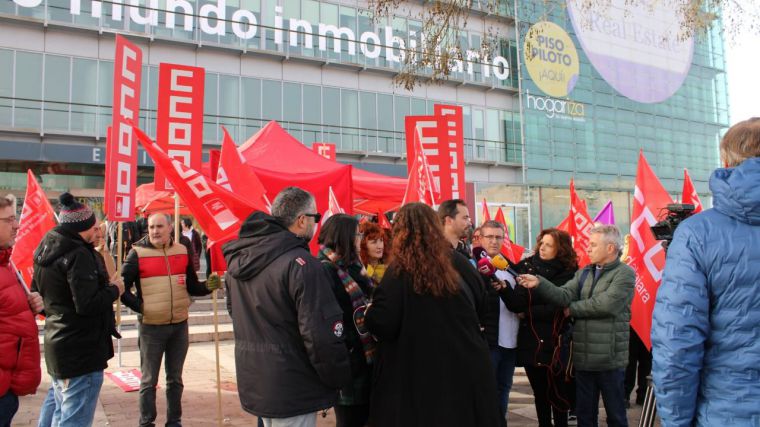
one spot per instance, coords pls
(317, 216)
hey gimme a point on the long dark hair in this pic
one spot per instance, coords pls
(421, 251)
(338, 233)
(565, 253)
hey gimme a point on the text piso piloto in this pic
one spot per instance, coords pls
(213, 19)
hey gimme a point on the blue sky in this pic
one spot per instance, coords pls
(743, 62)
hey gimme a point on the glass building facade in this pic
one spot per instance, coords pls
(56, 71)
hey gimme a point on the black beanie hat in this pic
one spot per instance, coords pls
(74, 216)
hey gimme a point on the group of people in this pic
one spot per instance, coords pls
(421, 326)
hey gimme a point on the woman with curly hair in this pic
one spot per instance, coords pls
(372, 251)
(433, 366)
(339, 252)
(542, 339)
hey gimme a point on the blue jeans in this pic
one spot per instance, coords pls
(8, 408)
(76, 399)
(611, 385)
(504, 367)
(47, 410)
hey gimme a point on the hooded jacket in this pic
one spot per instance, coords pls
(78, 302)
(19, 348)
(289, 351)
(705, 341)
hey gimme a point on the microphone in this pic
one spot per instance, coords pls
(479, 253)
(485, 267)
(500, 262)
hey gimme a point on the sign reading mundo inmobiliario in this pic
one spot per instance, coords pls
(224, 18)
(635, 46)
(121, 156)
(179, 124)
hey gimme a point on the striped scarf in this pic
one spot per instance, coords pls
(358, 300)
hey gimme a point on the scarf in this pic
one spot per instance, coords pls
(357, 297)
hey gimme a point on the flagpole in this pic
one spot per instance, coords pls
(119, 255)
(176, 216)
(218, 369)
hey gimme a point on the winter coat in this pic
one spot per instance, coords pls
(78, 299)
(289, 351)
(433, 366)
(601, 310)
(705, 341)
(357, 392)
(19, 348)
(164, 279)
(543, 322)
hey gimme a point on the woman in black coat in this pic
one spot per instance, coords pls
(433, 366)
(543, 337)
(339, 241)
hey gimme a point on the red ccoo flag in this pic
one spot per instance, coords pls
(239, 178)
(382, 221)
(645, 254)
(689, 194)
(421, 185)
(218, 211)
(512, 251)
(580, 226)
(37, 217)
(486, 214)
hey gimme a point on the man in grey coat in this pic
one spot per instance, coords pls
(599, 299)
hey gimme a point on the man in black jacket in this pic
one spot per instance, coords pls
(289, 351)
(78, 297)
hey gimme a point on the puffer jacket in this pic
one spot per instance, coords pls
(19, 349)
(705, 341)
(290, 355)
(601, 312)
(78, 300)
(164, 278)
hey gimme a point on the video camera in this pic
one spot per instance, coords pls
(665, 229)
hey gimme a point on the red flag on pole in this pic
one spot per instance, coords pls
(121, 181)
(580, 226)
(486, 214)
(509, 249)
(420, 186)
(179, 122)
(689, 193)
(238, 177)
(382, 221)
(218, 211)
(37, 217)
(645, 254)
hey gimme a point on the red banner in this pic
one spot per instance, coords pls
(689, 193)
(512, 251)
(645, 254)
(486, 214)
(37, 217)
(179, 124)
(441, 137)
(219, 212)
(420, 186)
(580, 226)
(325, 149)
(121, 180)
(238, 177)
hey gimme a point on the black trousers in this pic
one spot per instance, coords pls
(351, 416)
(550, 393)
(638, 357)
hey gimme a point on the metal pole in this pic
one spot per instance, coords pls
(218, 369)
(522, 123)
(176, 217)
(649, 410)
(119, 257)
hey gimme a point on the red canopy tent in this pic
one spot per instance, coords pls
(273, 152)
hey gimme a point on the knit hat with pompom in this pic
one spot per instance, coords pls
(74, 216)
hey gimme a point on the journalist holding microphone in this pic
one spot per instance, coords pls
(599, 298)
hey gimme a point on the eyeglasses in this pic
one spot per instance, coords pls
(9, 220)
(491, 237)
(317, 216)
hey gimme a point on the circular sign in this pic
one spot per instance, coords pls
(635, 46)
(551, 59)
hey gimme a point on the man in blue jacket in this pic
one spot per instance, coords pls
(705, 340)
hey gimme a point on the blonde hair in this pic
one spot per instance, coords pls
(741, 142)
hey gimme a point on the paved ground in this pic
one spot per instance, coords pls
(119, 409)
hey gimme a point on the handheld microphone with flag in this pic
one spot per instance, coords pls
(485, 267)
(499, 262)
